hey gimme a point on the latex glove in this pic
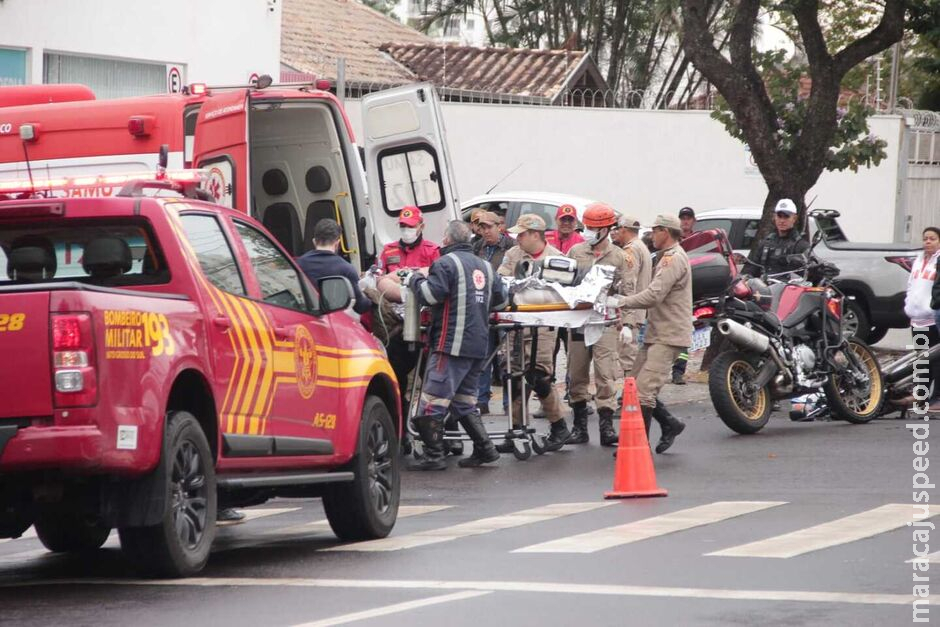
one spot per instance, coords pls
(615, 302)
(626, 335)
(406, 276)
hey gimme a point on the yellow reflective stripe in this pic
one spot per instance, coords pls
(264, 334)
(284, 362)
(249, 374)
(335, 350)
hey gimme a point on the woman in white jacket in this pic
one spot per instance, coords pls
(917, 301)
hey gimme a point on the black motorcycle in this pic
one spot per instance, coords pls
(787, 341)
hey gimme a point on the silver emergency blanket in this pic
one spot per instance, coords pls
(592, 289)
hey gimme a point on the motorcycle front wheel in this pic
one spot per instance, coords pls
(739, 406)
(856, 391)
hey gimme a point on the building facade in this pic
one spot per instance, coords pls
(132, 47)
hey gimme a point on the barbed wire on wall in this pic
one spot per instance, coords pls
(577, 97)
(705, 100)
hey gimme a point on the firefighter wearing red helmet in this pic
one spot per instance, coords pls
(597, 249)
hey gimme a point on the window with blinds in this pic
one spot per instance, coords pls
(108, 78)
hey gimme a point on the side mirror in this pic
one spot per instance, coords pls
(336, 293)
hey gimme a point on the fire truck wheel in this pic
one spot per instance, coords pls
(367, 507)
(179, 545)
(65, 531)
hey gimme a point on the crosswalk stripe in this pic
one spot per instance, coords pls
(826, 535)
(672, 522)
(255, 514)
(317, 526)
(933, 558)
(29, 533)
(112, 542)
(395, 609)
(473, 528)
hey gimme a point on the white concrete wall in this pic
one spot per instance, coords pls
(218, 41)
(646, 162)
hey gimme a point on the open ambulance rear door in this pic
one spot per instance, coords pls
(406, 160)
(221, 147)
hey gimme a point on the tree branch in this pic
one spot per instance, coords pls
(889, 31)
(806, 13)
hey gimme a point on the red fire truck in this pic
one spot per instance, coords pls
(286, 155)
(162, 357)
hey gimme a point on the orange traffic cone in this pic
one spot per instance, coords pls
(634, 474)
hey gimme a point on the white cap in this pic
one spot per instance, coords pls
(786, 205)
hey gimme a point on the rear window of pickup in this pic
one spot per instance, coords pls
(113, 252)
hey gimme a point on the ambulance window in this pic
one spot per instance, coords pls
(410, 175)
(190, 116)
(280, 283)
(213, 252)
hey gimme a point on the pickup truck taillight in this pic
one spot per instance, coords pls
(905, 262)
(73, 360)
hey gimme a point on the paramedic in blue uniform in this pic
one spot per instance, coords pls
(461, 290)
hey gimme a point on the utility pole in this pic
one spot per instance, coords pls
(895, 77)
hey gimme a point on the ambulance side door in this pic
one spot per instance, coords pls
(406, 160)
(221, 147)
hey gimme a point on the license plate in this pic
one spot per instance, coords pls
(701, 338)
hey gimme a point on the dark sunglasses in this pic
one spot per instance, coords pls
(783, 214)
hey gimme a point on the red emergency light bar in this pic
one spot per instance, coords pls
(25, 186)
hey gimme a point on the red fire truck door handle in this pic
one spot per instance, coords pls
(281, 333)
(222, 323)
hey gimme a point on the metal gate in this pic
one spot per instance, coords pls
(920, 174)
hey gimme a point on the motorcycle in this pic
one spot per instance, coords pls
(787, 340)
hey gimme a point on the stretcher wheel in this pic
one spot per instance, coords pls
(522, 449)
(538, 444)
(407, 445)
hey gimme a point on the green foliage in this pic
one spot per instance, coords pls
(852, 145)
(382, 6)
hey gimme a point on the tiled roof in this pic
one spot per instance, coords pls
(531, 73)
(315, 33)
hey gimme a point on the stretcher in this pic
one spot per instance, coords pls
(525, 438)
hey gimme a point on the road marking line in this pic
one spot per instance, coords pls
(473, 528)
(656, 526)
(801, 596)
(849, 529)
(404, 511)
(933, 558)
(394, 609)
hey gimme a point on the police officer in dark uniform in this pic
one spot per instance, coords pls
(461, 289)
(774, 249)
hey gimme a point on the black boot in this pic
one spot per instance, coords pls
(670, 425)
(579, 434)
(558, 436)
(483, 449)
(431, 429)
(452, 447)
(605, 424)
(647, 418)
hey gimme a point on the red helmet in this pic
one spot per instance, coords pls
(599, 215)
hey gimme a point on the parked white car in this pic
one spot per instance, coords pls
(514, 204)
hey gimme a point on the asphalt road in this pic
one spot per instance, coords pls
(463, 554)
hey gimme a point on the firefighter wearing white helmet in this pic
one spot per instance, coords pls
(599, 220)
(668, 301)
